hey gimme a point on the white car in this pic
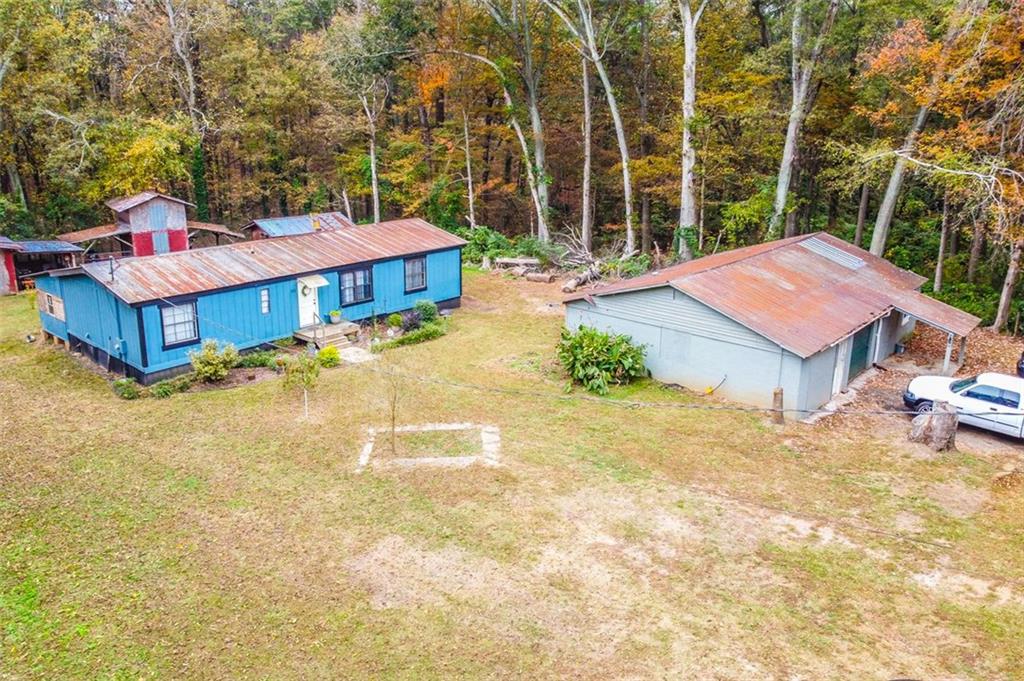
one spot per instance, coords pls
(989, 401)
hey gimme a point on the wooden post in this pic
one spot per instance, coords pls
(949, 353)
(777, 414)
(962, 352)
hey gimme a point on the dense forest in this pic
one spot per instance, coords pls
(644, 130)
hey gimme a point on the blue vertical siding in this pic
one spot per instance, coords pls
(50, 324)
(96, 317)
(230, 317)
(444, 282)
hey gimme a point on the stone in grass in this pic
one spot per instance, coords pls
(936, 428)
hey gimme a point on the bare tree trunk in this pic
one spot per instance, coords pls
(520, 137)
(516, 25)
(892, 190)
(862, 214)
(943, 235)
(960, 22)
(646, 143)
(687, 203)
(977, 246)
(469, 171)
(586, 211)
(1009, 285)
(802, 74)
(348, 206)
(372, 124)
(586, 36)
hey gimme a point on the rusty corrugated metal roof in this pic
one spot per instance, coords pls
(301, 224)
(97, 232)
(804, 293)
(138, 280)
(125, 202)
(105, 231)
(213, 227)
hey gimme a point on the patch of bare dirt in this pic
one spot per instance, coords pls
(476, 305)
(235, 378)
(957, 586)
(957, 499)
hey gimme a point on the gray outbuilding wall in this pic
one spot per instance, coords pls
(690, 344)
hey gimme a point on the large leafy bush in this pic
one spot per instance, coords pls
(212, 362)
(595, 359)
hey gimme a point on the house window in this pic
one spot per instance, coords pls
(265, 300)
(415, 274)
(179, 324)
(49, 304)
(357, 286)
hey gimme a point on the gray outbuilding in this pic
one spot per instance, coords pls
(806, 314)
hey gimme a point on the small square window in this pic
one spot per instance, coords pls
(179, 324)
(356, 286)
(265, 300)
(415, 274)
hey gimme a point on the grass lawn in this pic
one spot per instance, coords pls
(219, 535)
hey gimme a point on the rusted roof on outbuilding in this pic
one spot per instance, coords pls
(142, 279)
(106, 231)
(125, 202)
(92, 233)
(804, 293)
(301, 224)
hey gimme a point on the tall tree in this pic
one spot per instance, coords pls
(515, 19)
(960, 23)
(687, 200)
(802, 67)
(592, 40)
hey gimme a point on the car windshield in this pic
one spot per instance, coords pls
(959, 384)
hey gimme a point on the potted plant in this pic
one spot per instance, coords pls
(335, 316)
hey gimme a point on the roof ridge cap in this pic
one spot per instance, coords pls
(775, 245)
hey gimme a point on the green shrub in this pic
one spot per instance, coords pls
(427, 309)
(301, 371)
(596, 359)
(484, 241)
(435, 329)
(171, 386)
(395, 320)
(259, 358)
(127, 389)
(213, 362)
(329, 357)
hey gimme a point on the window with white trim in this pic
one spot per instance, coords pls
(356, 286)
(179, 323)
(265, 300)
(415, 274)
(49, 304)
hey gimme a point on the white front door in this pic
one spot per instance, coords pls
(309, 305)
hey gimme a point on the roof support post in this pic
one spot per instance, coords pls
(949, 353)
(961, 354)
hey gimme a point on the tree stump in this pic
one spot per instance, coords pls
(937, 428)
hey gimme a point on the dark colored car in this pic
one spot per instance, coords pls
(1020, 365)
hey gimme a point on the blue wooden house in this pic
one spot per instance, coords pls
(141, 316)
